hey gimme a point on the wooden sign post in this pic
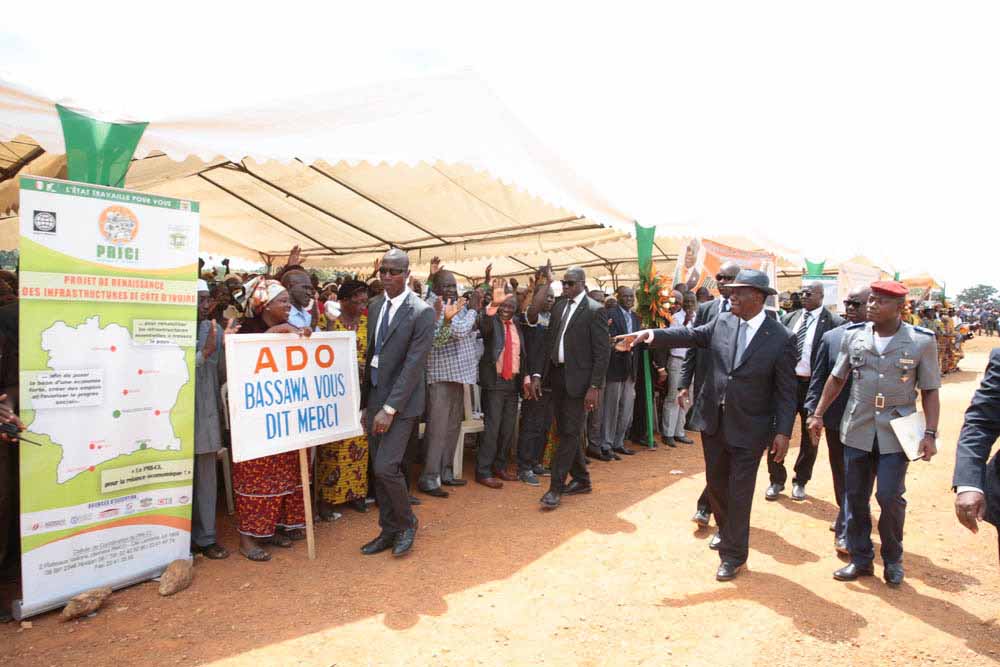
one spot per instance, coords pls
(307, 502)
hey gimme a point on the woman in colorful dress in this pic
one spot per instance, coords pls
(268, 490)
(342, 467)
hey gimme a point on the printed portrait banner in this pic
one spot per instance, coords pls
(702, 259)
(107, 314)
(287, 392)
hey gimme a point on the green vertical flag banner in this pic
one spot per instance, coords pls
(895, 276)
(644, 248)
(814, 268)
(97, 151)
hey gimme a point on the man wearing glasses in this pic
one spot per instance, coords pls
(574, 366)
(807, 325)
(695, 365)
(400, 335)
(826, 356)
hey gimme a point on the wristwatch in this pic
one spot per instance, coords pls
(389, 410)
(930, 432)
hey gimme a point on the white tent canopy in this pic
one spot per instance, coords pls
(436, 165)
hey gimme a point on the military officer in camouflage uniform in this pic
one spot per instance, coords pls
(889, 361)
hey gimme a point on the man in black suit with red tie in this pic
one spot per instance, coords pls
(577, 348)
(749, 401)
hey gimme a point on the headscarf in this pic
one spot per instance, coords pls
(262, 292)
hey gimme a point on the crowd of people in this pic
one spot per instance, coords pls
(557, 369)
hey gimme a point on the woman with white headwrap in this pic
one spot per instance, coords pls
(269, 490)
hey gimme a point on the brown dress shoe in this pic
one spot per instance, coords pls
(491, 482)
(505, 474)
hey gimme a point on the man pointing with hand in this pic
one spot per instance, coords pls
(749, 403)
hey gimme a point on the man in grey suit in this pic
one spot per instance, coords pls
(400, 335)
(807, 325)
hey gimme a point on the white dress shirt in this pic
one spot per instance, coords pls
(752, 326)
(571, 309)
(677, 322)
(396, 302)
(804, 368)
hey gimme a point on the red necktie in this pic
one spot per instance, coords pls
(507, 370)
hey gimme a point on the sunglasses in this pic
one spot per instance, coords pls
(853, 304)
(721, 277)
(569, 283)
(384, 270)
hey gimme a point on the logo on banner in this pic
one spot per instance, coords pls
(44, 222)
(177, 236)
(118, 226)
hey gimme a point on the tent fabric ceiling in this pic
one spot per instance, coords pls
(435, 165)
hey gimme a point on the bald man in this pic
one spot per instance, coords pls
(577, 349)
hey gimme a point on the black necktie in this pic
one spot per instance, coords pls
(800, 336)
(725, 305)
(383, 330)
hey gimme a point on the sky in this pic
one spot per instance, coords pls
(836, 129)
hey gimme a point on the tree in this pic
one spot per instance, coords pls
(977, 293)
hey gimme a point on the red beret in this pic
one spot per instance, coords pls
(890, 287)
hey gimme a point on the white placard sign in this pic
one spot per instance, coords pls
(287, 392)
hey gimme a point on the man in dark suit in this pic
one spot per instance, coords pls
(536, 411)
(400, 335)
(977, 483)
(826, 358)
(807, 327)
(619, 388)
(749, 404)
(696, 363)
(577, 348)
(500, 372)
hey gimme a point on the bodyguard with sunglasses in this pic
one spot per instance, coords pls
(826, 357)
(400, 335)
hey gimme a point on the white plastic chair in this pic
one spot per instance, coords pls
(473, 423)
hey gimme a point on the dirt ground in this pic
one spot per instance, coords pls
(619, 577)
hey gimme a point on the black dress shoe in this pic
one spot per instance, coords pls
(626, 451)
(853, 571)
(714, 543)
(384, 541)
(454, 482)
(893, 574)
(404, 541)
(614, 456)
(415, 501)
(727, 571)
(840, 544)
(576, 487)
(551, 500)
(702, 517)
(669, 441)
(598, 454)
(773, 491)
(684, 439)
(437, 492)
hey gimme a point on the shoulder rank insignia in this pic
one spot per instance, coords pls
(856, 325)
